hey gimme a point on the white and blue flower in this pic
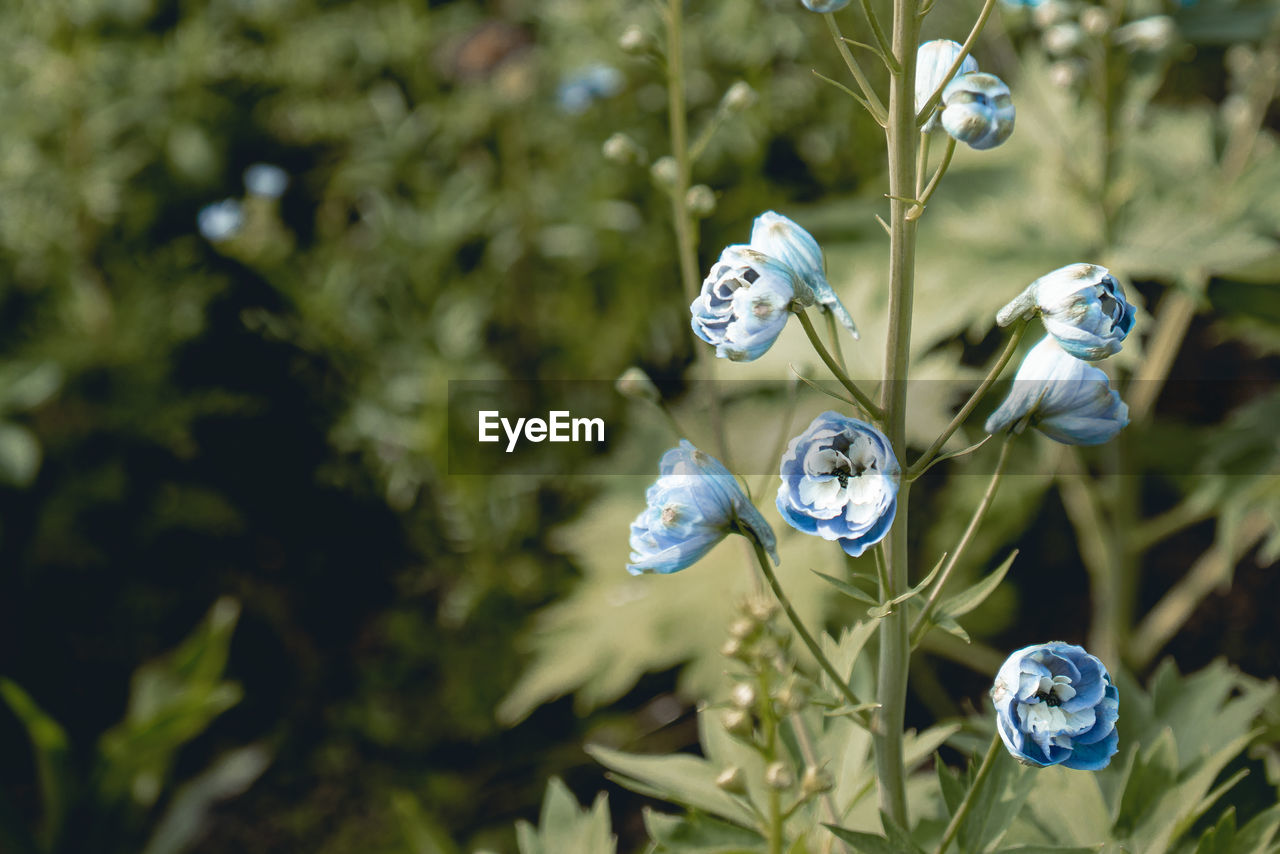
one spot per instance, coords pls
(840, 482)
(693, 505)
(1083, 307)
(783, 239)
(933, 60)
(977, 109)
(745, 303)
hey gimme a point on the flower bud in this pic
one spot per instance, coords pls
(621, 148)
(734, 648)
(700, 200)
(779, 776)
(1096, 21)
(791, 697)
(1051, 12)
(779, 237)
(760, 609)
(740, 96)
(665, 172)
(634, 40)
(1082, 306)
(266, 181)
(732, 780)
(1062, 39)
(1066, 73)
(221, 220)
(815, 781)
(825, 5)
(1241, 61)
(978, 110)
(933, 60)
(738, 722)
(1149, 34)
(635, 383)
(743, 696)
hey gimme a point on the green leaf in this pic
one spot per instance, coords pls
(19, 454)
(965, 601)
(684, 779)
(700, 834)
(867, 843)
(564, 828)
(187, 817)
(52, 759)
(26, 386)
(847, 589)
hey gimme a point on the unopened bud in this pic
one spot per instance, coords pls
(1051, 12)
(635, 383)
(760, 608)
(791, 697)
(738, 722)
(743, 628)
(1065, 74)
(665, 172)
(1241, 61)
(739, 96)
(779, 776)
(1235, 110)
(732, 780)
(621, 148)
(1096, 21)
(743, 696)
(1062, 39)
(1149, 34)
(633, 39)
(734, 648)
(700, 200)
(815, 781)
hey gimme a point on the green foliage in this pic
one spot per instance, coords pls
(564, 829)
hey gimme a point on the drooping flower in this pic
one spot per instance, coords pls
(221, 220)
(1056, 705)
(840, 482)
(977, 110)
(1063, 397)
(745, 303)
(266, 181)
(825, 5)
(933, 60)
(693, 505)
(783, 239)
(1082, 306)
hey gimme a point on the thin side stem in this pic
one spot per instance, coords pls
(886, 50)
(922, 165)
(974, 399)
(806, 637)
(965, 50)
(833, 332)
(921, 624)
(873, 102)
(924, 196)
(970, 797)
(836, 369)
(811, 759)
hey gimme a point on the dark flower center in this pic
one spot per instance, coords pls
(1050, 699)
(750, 275)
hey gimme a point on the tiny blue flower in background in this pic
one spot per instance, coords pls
(579, 90)
(933, 60)
(1063, 397)
(1056, 705)
(779, 237)
(1082, 306)
(745, 303)
(266, 181)
(693, 505)
(1014, 4)
(840, 482)
(220, 220)
(977, 110)
(825, 5)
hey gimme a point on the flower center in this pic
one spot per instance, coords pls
(1054, 692)
(670, 515)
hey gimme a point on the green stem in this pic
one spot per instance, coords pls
(833, 332)
(970, 797)
(886, 50)
(922, 463)
(925, 195)
(921, 624)
(874, 105)
(832, 365)
(965, 50)
(841, 682)
(769, 750)
(902, 136)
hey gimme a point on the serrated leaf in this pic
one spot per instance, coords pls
(965, 601)
(565, 828)
(684, 779)
(867, 843)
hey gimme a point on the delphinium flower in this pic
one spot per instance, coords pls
(1056, 705)
(933, 60)
(782, 238)
(265, 181)
(745, 303)
(1082, 306)
(582, 88)
(977, 110)
(1066, 398)
(221, 220)
(693, 505)
(840, 482)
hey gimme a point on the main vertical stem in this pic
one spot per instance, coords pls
(903, 137)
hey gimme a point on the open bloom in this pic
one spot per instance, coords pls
(1082, 306)
(780, 237)
(1067, 399)
(692, 506)
(840, 482)
(977, 110)
(933, 60)
(745, 303)
(1056, 705)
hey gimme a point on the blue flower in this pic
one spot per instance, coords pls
(825, 5)
(692, 506)
(781, 238)
(1067, 399)
(1056, 705)
(977, 110)
(265, 180)
(221, 220)
(1083, 307)
(579, 90)
(840, 482)
(745, 302)
(933, 60)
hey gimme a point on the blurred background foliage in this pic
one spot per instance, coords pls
(252, 427)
